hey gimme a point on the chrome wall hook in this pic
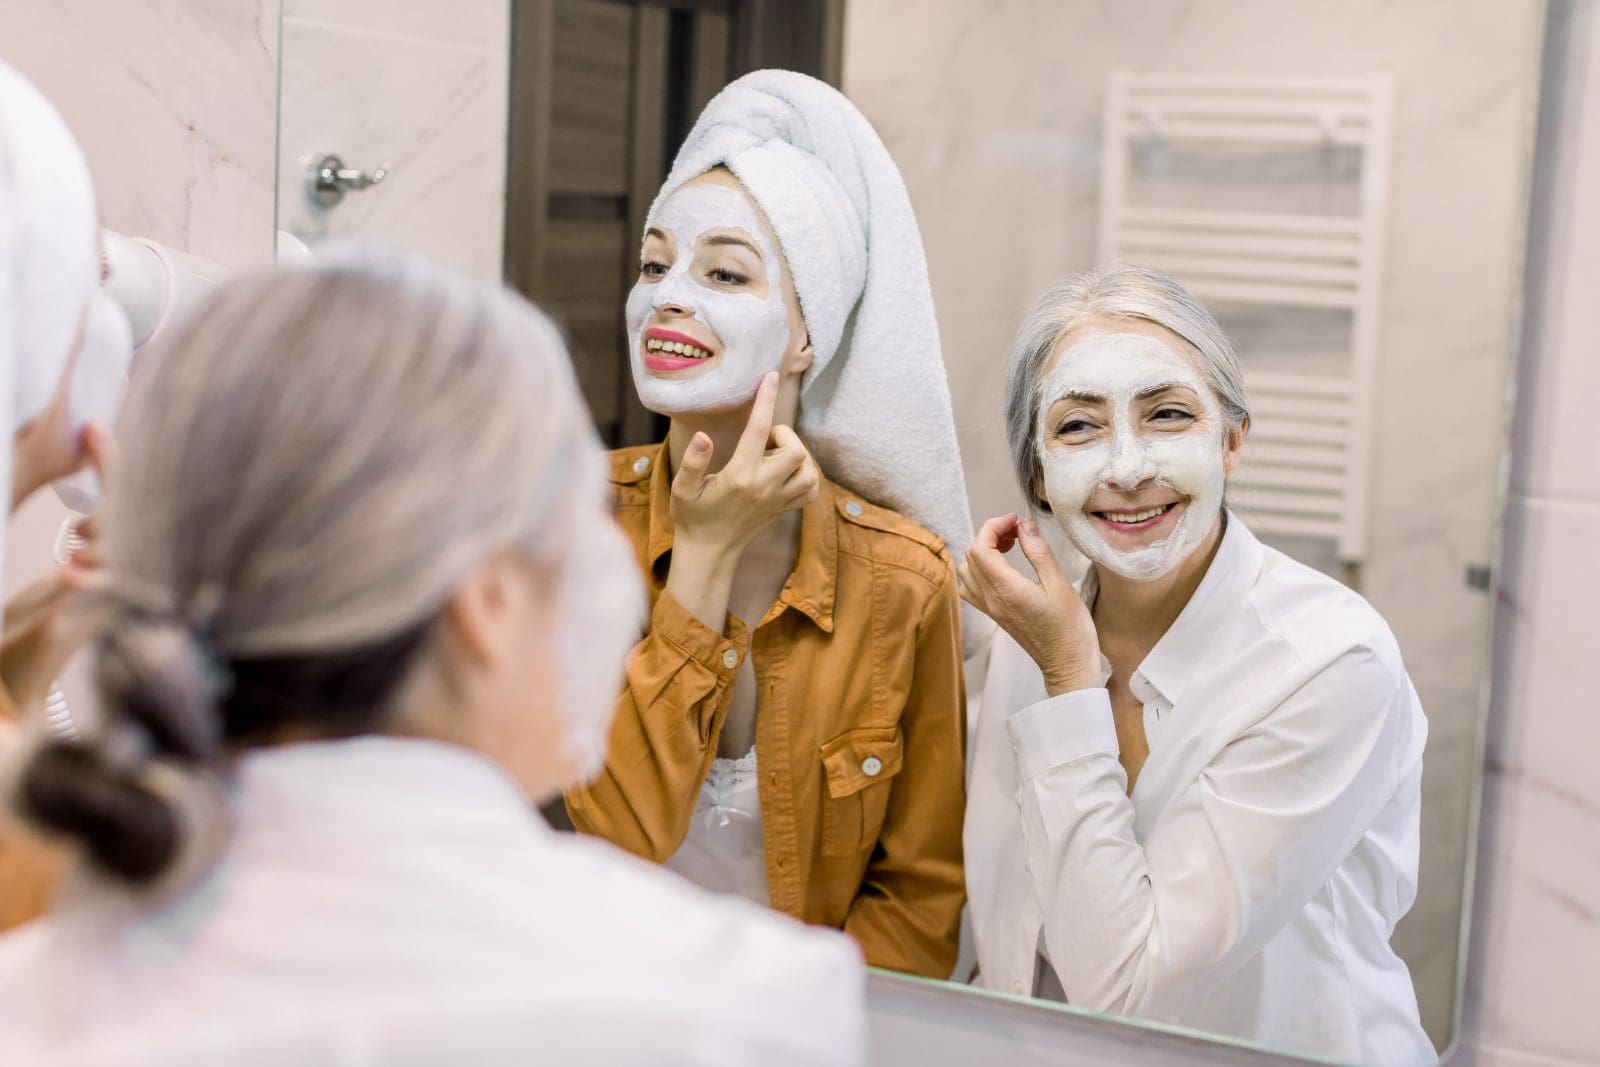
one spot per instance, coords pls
(328, 179)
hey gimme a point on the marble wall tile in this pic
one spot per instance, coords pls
(1494, 1056)
(475, 23)
(1536, 932)
(1533, 975)
(433, 109)
(174, 104)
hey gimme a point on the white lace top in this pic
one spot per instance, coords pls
(723, 851)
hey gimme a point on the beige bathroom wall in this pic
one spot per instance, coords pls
(419, 85)
(1534, 962)
(993, 111)
(174, 104)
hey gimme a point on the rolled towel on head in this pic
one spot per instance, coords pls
(875, 406)
(50, 273)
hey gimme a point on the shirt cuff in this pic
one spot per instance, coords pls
(719, 653)
(1062, 729)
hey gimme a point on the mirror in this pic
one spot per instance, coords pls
(1342, 186)
(392, 125)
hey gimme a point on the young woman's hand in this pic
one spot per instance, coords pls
(769, 473)
(716, 516)
(1046, 617)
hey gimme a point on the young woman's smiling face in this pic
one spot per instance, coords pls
(1134, 448)
(713, 309)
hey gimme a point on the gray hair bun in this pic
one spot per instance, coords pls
(136, 796)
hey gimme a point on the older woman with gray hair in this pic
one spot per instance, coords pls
(1196, 780)
(366, 607)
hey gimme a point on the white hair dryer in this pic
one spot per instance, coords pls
(152, 286)
(145, 287)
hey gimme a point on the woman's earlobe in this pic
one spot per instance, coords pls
(1233, 448)
(474, 613)
(801, 359)
(1041, 503)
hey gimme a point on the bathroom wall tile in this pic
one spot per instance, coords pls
(1533, 975)
(174, 104)
(477, 23)
(435, 113)
(1492, 1056)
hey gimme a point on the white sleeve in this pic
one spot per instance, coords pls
(1141, 930)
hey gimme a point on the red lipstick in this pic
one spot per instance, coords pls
(667, 362)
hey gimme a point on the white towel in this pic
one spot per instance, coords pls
(49, 273)
(875, 406)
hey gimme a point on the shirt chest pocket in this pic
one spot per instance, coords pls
(859, 766)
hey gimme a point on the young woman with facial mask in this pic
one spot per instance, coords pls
(1196, 780)
(792, 725)
(366, 607)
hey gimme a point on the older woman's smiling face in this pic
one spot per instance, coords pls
(1134, 449)
(713, 309)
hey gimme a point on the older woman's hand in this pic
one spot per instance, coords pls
(46, 623)
(49, 620)
(1044, 616)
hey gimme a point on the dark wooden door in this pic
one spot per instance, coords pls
(602, 94)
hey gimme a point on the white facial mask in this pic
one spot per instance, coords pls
(1119, 366)
(753, 331)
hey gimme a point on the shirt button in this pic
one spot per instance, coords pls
(1016, 985)
(852, 509)
(871, 766)
(641, 464)
(730, 659)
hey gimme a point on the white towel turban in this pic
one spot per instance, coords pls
(49, 272)
(875, 406)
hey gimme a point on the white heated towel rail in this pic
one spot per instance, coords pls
(1307, 469)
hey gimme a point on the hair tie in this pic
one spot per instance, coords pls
(200, 615)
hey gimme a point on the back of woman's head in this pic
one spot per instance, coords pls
(306, 472)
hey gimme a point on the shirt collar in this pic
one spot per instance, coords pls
(660, 537)
(1183, 648)
(811, 585)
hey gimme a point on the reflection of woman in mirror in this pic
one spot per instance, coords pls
(791, 728)
(1195, 792)
(366, 604)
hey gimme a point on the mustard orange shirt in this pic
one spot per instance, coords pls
(860, 722)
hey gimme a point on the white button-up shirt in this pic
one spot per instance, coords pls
(1250, 884)
(388, 901)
